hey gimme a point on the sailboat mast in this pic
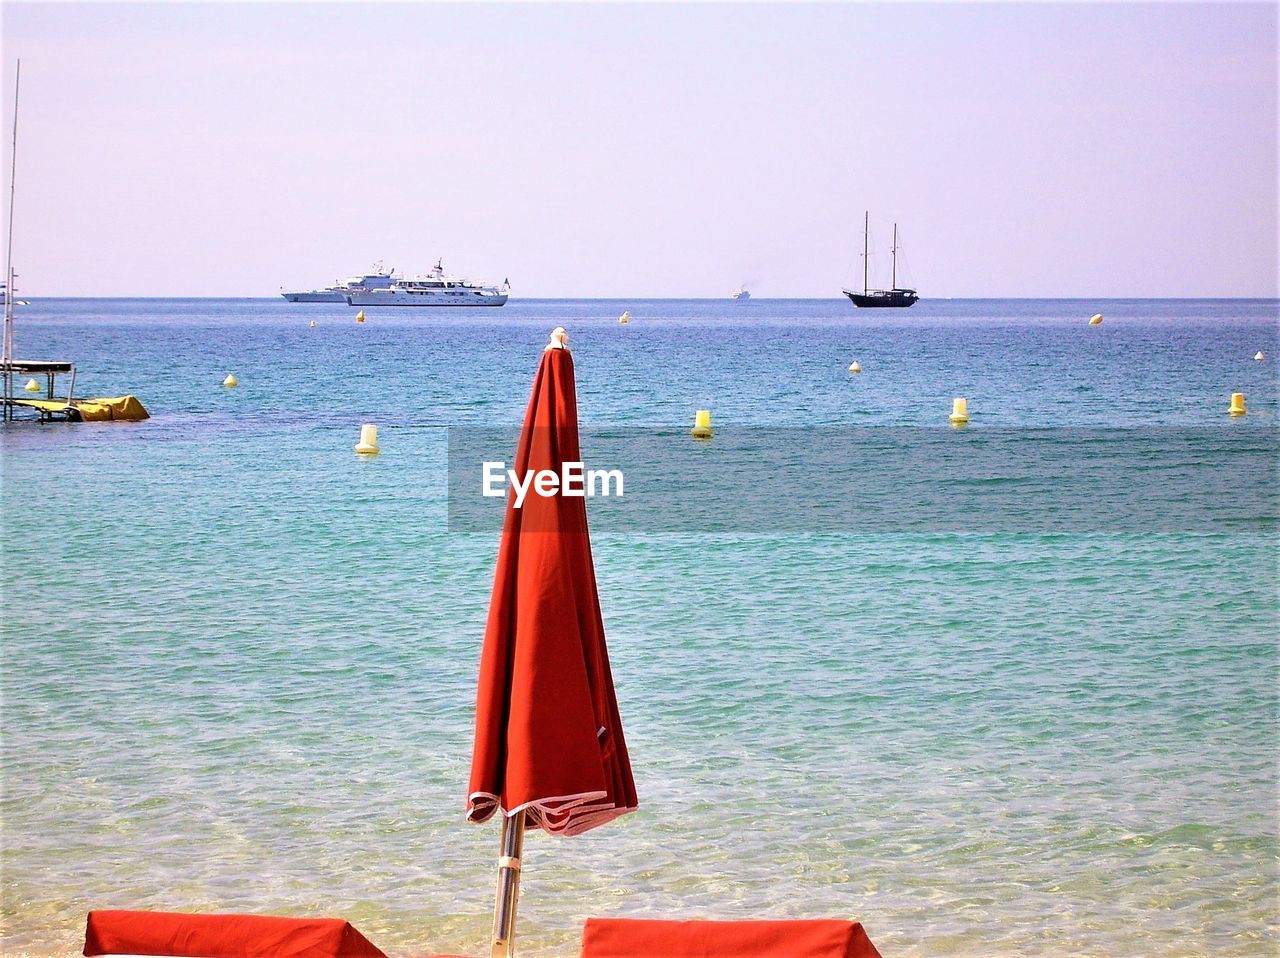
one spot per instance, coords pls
(894, 251)
(8, 268)
(866, 238)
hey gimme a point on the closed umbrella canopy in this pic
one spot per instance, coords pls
(548, 738)
(222, 936)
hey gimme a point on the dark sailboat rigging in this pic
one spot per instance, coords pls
(881, 297)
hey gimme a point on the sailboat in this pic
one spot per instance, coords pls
(881, 297)
(51, 407)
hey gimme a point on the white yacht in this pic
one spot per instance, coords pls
(742, 293)
(435, 289)
(376, 278)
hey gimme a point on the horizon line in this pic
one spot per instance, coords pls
(703, 299)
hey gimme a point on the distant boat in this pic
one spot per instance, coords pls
(742, 294)
(4, 297)
(435, 289)
(376, 278)
(881, 297)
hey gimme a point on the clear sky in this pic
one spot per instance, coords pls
(646, 150)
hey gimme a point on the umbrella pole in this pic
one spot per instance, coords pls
(504, 911)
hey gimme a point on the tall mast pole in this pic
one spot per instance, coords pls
(8, 269)
(895, 257)
(867, 236)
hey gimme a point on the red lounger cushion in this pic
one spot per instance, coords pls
(222, 936)
(636, 938)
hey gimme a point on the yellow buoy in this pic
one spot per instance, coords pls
(1237, 404)
(625, 317)
(959, 410)
(702, 424)
(32, 386)
(1258, 356)
(360, 316)
(855, 367)
(1095, 319)
(312, 324)
(368, 444)
(231, 380)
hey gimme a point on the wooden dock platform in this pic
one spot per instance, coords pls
(13, 369)
(51, 408)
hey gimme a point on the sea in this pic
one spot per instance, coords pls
(1019, 698)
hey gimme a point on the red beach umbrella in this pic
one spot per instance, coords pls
(549, 750)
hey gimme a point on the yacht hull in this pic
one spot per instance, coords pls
(315, 296)
(400, 297)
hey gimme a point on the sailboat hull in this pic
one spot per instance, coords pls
(883, 298)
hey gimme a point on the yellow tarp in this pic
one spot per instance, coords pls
(118, 407)
(126, 408)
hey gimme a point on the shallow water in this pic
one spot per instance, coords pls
(239, 662)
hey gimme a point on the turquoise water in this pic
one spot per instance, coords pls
(238, 662)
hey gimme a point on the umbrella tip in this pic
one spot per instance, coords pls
(559, 339)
